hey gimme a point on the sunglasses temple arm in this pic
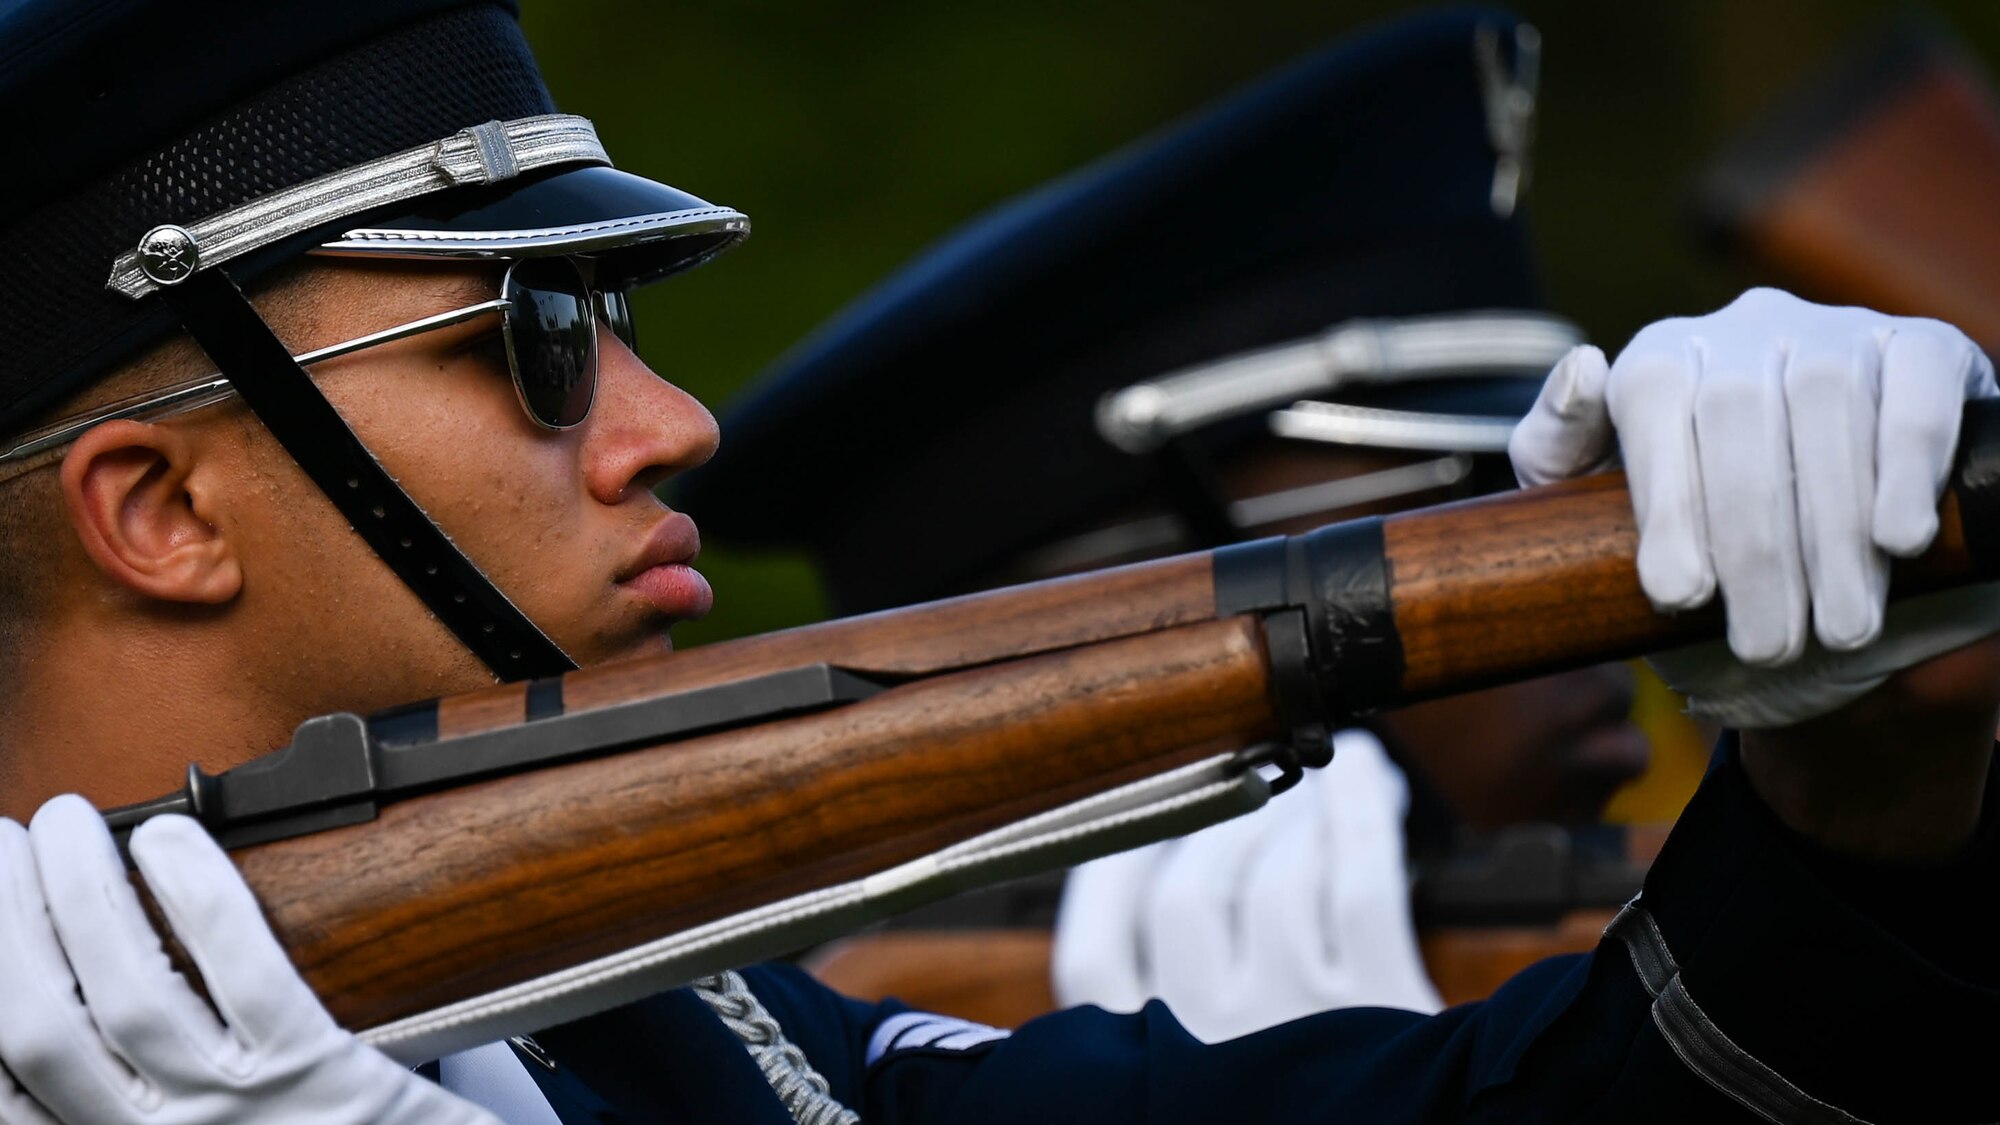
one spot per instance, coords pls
(217, 388)
(401, 331)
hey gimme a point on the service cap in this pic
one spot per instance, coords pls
(263, 131)
(177, 152)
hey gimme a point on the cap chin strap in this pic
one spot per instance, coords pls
(229, 329)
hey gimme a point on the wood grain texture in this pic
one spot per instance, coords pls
(501, 706)
(1029, 698)
(954, 633)
(1526, 583)
(455, 894)
(1521, 583)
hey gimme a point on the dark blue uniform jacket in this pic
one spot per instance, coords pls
(1754, 979)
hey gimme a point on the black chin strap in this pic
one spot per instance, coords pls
(284, 398)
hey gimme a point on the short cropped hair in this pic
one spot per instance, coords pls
(32, 520)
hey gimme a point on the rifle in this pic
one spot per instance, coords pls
(1874, 183)
(435, 870)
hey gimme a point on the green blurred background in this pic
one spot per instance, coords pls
(854, 137)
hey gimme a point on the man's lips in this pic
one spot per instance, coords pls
(675, 589)
(662, 572)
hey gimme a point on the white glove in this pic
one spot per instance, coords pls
(1782, 452)
(97, 1028)
(1300, 907)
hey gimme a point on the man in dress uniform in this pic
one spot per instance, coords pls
(205, 544)
(1370, 351)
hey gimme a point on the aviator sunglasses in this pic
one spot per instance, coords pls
(549, 313)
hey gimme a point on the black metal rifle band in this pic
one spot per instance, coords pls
(1341, 574)
(1340, 577)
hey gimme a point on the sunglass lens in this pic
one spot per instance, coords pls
(552, 339)
(618, 318)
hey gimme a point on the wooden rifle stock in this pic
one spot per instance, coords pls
(1876, 184)
(1000, 705)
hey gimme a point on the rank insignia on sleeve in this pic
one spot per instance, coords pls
(924, 1031)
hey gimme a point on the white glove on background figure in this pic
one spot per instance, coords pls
(1300, 907)
(1781, 452)
(138, 1045)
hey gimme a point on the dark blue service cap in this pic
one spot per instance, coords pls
(127, 115)
(948, 419)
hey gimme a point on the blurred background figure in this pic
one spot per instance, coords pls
(1313, 301)
(859, 136)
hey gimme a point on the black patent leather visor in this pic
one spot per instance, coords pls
(637, 230)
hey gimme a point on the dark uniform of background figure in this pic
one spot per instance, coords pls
(928, 439)
(1567, 1040)
(957, 428)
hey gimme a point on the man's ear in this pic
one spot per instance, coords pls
(129, 491)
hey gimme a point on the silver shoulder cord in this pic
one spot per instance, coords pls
(802, 1089)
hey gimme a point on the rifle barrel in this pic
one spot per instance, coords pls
(1001, 705)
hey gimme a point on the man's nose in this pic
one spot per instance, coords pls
(642, 429)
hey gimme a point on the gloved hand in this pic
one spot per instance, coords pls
(1781, 452)
(97, 1028)
(1300, 907)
